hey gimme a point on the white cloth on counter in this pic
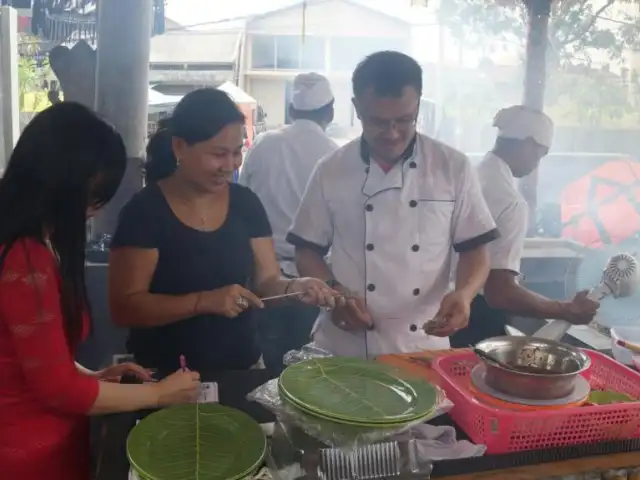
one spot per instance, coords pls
(436, 443)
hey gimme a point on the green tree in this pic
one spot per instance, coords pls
(556, 32)
(594, 98)
(576, 29)
(33, 70)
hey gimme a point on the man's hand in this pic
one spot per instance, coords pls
(453, 315)
(352, 314)
(581, 310)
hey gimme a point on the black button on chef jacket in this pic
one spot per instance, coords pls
(191, 261)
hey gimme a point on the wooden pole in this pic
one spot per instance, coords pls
(534, 86)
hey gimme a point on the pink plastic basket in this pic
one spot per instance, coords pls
(504, 431)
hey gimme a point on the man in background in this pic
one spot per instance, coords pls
(277, 168)
(524, 138)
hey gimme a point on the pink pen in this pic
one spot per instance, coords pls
(183, 363)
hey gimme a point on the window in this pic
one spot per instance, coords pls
(346, 52)
(263, 52)
(288, 52)
(294, 53)
(313, 54)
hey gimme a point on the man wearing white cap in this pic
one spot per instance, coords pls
(524, 138)
(277, 168)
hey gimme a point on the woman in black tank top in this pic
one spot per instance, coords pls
(193, 252)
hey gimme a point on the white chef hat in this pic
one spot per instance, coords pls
(310, 92)
(521, 122)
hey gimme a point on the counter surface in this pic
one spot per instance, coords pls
(558, 469)
(111, 431)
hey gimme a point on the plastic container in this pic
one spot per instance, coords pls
(630, 334)
(504, 431)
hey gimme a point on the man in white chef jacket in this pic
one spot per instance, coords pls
(524, 138)
(277, 168)
(390, 206)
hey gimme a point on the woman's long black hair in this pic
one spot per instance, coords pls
(199, 116)
(66, 161)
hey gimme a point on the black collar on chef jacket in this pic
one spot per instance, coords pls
(365, 152)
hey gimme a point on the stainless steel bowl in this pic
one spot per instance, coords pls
(542, 369)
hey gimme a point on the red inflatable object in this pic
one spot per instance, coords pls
(603, 207)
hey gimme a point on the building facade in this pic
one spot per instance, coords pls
(182, 60)
(327, 36)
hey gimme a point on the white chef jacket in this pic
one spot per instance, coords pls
(508, 209)
(391, 237)
(277, 168)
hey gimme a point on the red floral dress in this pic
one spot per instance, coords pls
(44, 399)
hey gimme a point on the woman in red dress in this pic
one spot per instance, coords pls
(67, 164)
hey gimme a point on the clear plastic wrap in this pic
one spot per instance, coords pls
(330, 433)
(307, 352)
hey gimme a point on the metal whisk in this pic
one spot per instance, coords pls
(620, 278)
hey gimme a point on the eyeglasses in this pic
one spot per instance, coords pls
(402, 124)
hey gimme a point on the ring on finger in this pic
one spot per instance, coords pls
(242, 302)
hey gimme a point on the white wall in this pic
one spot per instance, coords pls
(270, 93)
(331, 18)
(343, 107)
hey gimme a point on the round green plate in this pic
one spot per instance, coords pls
(348, 423)
(135, 475)
(301, 408)
(357, 391)
(139, 476)
(205, 441)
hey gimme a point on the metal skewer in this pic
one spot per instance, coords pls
(284, 295)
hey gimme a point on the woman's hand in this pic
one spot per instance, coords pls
(181, 387)
(315, 292)
(228, 301)
(115, 372)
